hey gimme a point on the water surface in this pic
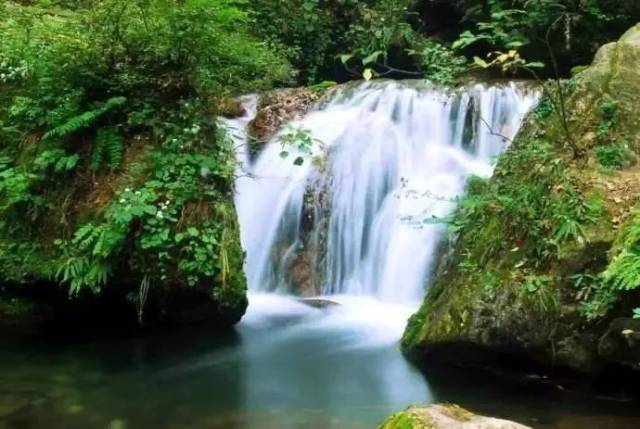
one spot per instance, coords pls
(287, 365)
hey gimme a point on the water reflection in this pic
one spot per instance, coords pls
(287, 366)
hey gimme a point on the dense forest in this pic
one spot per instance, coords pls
(117, 179)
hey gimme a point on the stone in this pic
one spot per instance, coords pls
(621, 342)
(544, 328)
(445, 416)
(278, 107)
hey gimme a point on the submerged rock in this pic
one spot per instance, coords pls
(444, 416)
(515, 281)
(318, 302)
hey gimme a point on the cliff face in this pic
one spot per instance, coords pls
(542, 260)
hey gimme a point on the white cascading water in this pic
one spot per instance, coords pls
(393, 155)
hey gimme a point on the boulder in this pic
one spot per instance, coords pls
(525, 297)
(444, 416)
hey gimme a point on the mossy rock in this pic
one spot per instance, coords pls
(444, 416)
(20, 312)
(503, 289)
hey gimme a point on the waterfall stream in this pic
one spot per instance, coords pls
(357, 213)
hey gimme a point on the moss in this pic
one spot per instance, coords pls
(401, 420)
(456, 412)
(16, 308)
(545, 217)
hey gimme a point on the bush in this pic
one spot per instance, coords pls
(113, 162)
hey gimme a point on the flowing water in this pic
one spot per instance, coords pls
(386, 158)
(353, 216)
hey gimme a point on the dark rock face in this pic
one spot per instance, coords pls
(621, 342)
(546, 327)
(301, 263)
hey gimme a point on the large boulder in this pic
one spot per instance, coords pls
(524, 275)
(444, 416)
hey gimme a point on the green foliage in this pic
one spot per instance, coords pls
(612, 152)
(85, 119)
(537, 26)
(174, 224)
(540, 292)
(302, 143)
(438, 63)
(598, 293)
(111, 157)
(612, 157)
(305, 30)
(623, 273)
(57, 160)
(107, 149)
(86, 262)
(540, 208)
(373, 38)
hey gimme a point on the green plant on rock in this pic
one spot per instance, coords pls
(111, 157)
(303, 144)
(541, 294)
(599, 293)
(612, 157)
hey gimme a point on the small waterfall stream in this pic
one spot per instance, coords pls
(386, 157)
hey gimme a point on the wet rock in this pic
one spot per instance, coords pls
(278, 107)
(488, 307)
(230, 108)
(318, 302)
(22, 313)
(621, 342)
(444, 416)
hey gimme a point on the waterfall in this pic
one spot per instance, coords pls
(355, 210)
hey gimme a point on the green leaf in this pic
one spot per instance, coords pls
(344, 58)
(367, 74)
(479, 62)
(535, 65)
(371, 58)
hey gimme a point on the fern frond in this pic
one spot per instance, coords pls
(85, 119)
(108, 149)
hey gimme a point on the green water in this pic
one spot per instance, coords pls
(286, 366)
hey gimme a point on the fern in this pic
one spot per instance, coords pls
(89, 255)
(85, 119)
(108, 149)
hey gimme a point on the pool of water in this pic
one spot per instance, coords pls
(287, 365)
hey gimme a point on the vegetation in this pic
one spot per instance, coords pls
(403, 38)
(545, 252)
(113, 169)
(112, 164)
